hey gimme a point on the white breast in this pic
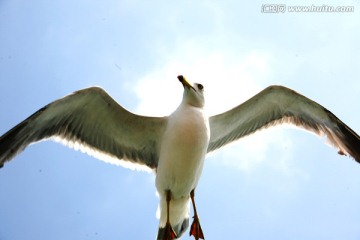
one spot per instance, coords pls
(183, 150)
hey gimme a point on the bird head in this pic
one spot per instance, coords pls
(193, 94)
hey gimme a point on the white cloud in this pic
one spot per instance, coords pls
(252, 151)
(228, 81)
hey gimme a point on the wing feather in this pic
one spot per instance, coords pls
(91, 121)
(276, 105)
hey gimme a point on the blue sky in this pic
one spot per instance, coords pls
(281, 183)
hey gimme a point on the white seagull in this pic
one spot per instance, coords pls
(174, 146)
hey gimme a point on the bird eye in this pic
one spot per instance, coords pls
(200, 86)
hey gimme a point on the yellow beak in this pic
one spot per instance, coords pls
(184, 82)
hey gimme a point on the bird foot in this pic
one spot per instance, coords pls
(169, 233)
(195, 229)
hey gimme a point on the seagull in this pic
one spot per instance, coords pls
(173, 147)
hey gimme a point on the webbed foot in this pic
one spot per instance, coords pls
(169, 233)
(195, 229)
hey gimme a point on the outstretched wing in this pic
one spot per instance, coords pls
(91, 121)
(276, 105)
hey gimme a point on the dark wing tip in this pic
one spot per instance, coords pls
(351, 141)
(16, 139)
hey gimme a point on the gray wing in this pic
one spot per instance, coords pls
(276, 105)
(91, 121)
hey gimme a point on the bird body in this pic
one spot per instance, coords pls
(183, 149)
(174, 147)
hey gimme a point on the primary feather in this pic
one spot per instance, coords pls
(276, 105)
(92, 121)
